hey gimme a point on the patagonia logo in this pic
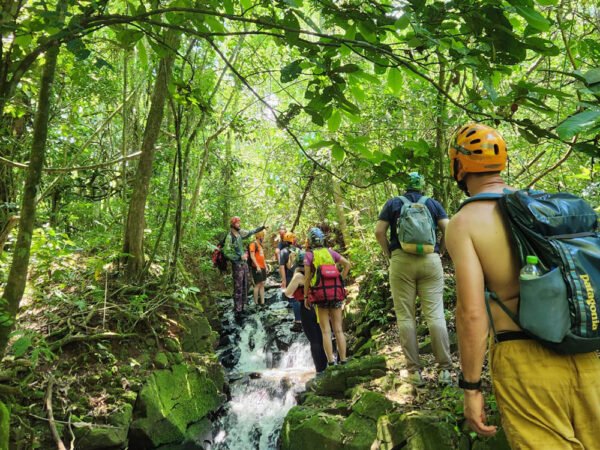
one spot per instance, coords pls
(591, 302)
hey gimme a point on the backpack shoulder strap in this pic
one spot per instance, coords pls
(423, 199)
(481, 197)
(404, 200)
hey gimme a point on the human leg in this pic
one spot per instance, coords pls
(402, 285)
(534, 390)
(430, 288)
(245, 276)
(261, 292)
(323, 314)
(337, 318)
(237, 273)
(313, 333)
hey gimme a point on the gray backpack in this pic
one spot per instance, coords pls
(415, 227)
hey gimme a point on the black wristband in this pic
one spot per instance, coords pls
(470, 386)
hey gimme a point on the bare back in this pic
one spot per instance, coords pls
(498, 260)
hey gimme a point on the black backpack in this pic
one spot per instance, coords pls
(561, 308)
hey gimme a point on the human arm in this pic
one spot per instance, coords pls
(442, 224)
(471, 318)
(283, 259)
(346, 267)
(253, 249)
(246, 234)
(307, 278)
(381, 235)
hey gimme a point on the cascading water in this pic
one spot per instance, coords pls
(264, 391)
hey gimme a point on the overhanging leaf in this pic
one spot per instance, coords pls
(533, 18)
(589, 149)
(337, 152)
(394, 80)
(578, 123)
(334, 121)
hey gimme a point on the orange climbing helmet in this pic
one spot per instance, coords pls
(289, 237)
(476, 148)
(234, 220)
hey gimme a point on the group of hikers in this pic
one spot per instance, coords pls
(310, 280)
(546, 381)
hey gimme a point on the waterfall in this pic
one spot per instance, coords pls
(262, 394)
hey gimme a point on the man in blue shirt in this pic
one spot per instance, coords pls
(412, 275)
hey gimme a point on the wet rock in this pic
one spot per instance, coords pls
(372, 405)
(327, 405)
(336, 380)
(229, 357)
(170, 402)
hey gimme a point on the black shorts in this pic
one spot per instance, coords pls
(258, 277)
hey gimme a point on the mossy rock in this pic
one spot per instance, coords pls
(170, 402)
(198, 335)
(4, 425)
(372, 405)
(327, 405)
(336, 380)
(359, 432)
(113, 435)
(309, 429)
(417, 430)
(161, 360)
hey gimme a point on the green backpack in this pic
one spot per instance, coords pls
(415, 227)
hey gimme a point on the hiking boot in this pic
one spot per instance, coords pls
(296, 327)
(445, 377)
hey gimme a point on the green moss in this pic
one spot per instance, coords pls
(4, 425)
(171, 401)
(308, 429)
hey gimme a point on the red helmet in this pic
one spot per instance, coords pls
(234, 219)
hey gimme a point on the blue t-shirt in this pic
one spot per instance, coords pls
(391, 212)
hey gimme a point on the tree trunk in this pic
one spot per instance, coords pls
(17, 278)
(133, 245)
(309, 183)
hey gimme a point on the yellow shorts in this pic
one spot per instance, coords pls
(546, 400)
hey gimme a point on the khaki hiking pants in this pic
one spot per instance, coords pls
(546, 400)
(422, 275)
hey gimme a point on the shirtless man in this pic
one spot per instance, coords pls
(546, 400)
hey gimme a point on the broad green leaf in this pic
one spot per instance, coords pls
(334, 121)
(142, 54)
(592, 76)
(533, 18)
(394, 80)
(347, 68)
(589, 149)
(358, 93)
(547, 2)
(367, 29)
(579, 123)
(337, 152)
(402, 22)
(291, 71)
(321, 144)
(247, 4)
(366, 76)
